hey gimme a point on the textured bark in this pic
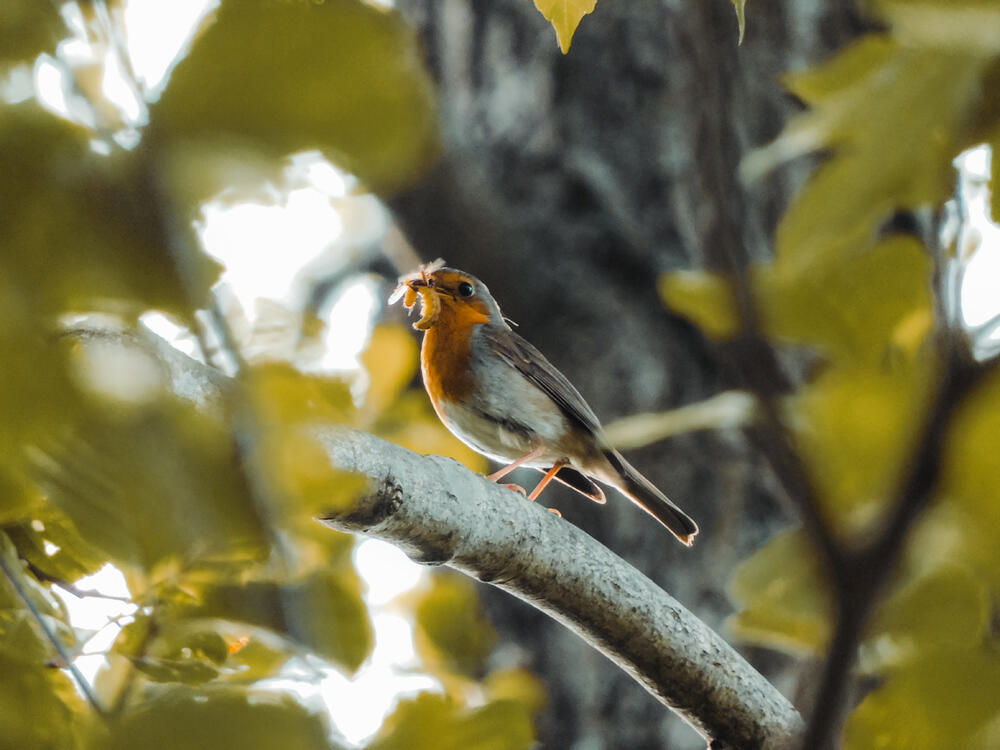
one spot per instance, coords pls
(568, 183)
(441, 514)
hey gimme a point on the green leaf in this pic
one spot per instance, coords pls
(21, 636)
(211, 718)
(341, 76)
(943, 700)
(38, 706)
(949, 608)
(83, 231)
(451, 625)
(152, 484)
(73, 559)
(786, 602)
(565, 16)
(874, 105)
(28, 28)
(191, 652)
(323, 612)
(705, 298)
(433, 721)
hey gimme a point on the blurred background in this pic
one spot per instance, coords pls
(245, 182)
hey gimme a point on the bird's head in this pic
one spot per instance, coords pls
(447, 295)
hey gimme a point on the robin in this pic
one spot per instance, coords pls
(500, 396)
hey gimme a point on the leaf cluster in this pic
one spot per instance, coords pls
(205, 501)
(890, 113)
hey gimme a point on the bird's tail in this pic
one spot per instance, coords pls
(645, 494)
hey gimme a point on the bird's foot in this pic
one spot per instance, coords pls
(556, 511)
(515, 488)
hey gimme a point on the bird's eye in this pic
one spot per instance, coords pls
(466, 289)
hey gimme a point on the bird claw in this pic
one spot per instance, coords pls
(556, 511)
(516, 488)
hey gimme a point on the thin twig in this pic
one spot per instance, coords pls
(65, 656)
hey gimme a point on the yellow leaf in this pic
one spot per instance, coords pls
(947, 608)
(516, 684)
(941, 701)
(705, 298)
(855, 427)
(740, 6)
(786, 600)
(971, 458)
(565, 16)
(341, 76)
(452, 629)
(853, 307)
(391, 361)
(873, 106)
(434, 721)
(213, 717)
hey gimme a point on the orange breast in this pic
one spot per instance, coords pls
(446, 354)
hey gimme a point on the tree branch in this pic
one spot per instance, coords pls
(441, 513)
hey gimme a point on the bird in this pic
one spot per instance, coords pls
(500, 396)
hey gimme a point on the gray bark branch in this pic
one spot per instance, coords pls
(441, 513)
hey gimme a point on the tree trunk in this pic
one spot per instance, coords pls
(569, 184)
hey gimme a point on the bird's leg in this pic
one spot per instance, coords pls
(501, 473)
(549, 476)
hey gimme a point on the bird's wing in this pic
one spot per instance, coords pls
(532, 364)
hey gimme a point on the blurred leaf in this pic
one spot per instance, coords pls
(970, 457)
(21, 637)
(152, 484)
(705, 298)
(36, 395)
(786, 603)
(941, 701)
(854, 427)
(342, 76)
(74, 558)
(851, 308)
(186, 671)
(411, 423)
(853, 63)
(565, 16)
(288, 403)
(38, 706)
(28, 28)
(949, 25)
(451, 624)
(516, 684)
(253, 659)
(390, 361)
(433, 721)
(83, 231)
(211, 718)
(875, 104)
(323, 612)
(283, 395)
(310, 484)
(948, 608)
(182, 652)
